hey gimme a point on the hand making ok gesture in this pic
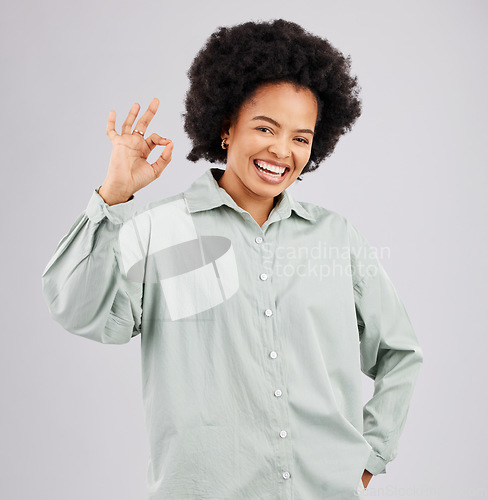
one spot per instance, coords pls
(129, 169)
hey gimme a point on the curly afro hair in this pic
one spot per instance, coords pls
(235, 61)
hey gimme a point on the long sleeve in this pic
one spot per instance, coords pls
(390, 353)
(82, 284)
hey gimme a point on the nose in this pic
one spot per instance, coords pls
(280, 148)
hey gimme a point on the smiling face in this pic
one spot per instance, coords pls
(270, 142)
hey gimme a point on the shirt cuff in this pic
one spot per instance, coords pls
(376, 464)
(97, 209)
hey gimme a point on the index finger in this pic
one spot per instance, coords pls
(146, 118)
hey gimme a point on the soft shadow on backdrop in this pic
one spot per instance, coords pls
(412, 176)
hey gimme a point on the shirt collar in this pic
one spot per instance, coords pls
(205, 194)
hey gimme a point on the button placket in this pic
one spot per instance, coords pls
(284, 453)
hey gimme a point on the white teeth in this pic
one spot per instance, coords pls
(268, 173)
(272, 168)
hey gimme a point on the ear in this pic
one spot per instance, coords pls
(225, 128)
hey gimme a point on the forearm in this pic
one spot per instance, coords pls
(82, 285)
(390, 353)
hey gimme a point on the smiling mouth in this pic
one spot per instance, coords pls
(270, 169)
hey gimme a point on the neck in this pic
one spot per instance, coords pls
(258, 207)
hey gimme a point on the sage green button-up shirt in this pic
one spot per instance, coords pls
(253, 340)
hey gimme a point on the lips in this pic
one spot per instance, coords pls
(270, 177)
(272, 167)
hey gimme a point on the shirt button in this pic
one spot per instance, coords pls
(259, 239)
(268, 312)
(283, 434)
(273, 355)
(278, 393)
(286, 475)
(263, 276)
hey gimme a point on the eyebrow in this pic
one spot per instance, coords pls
(274, 122)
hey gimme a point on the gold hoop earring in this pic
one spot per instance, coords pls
(224, 144)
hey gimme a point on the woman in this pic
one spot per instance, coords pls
(257, 313)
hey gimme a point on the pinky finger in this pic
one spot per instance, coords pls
(111, 125)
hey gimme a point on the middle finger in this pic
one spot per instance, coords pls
(127, 125)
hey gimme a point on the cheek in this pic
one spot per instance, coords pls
(248, 148)
(303, 156)
(240, 153)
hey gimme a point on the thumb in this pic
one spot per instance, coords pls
(162, 162)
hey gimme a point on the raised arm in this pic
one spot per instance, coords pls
(83, 285)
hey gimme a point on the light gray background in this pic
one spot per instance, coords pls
(412, 176)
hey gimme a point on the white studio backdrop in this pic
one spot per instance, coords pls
(412, 176)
